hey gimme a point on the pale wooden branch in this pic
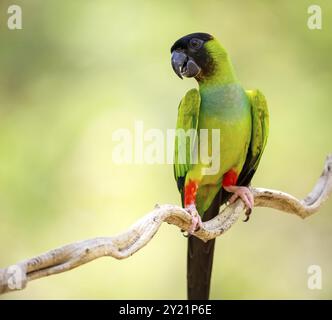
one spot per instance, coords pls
(137, 236)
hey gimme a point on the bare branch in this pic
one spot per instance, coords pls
(137, 236)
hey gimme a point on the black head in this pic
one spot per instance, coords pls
(190, 57)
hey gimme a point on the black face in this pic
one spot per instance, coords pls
(189, 56)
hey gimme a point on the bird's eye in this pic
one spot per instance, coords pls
(195, 43)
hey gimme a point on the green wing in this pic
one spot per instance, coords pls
(260, 131)
(188, 114)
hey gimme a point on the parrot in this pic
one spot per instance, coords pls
(242, 118)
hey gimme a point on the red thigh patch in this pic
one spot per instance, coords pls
(190, 191)
(230, 178)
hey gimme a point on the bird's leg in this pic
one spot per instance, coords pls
(241, 192)
(245, 194)
(196, 221)
(190, 205)
(229, 184)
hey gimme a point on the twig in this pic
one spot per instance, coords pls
(137, 236)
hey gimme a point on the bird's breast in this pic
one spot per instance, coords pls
(225, 103)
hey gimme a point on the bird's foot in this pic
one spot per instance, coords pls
(245, 194)
(196, 221)
(247, 213)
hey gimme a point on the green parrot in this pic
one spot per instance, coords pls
(242, 122)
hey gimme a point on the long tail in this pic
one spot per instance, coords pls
(200, 256)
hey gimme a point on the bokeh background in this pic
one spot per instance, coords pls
(81, 69)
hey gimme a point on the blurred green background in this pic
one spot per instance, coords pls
(81, 69)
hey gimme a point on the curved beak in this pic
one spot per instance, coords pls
(183, 65)
(178, 60)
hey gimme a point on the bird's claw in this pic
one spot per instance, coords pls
(196, 222)
(185, 233)
(247, 213)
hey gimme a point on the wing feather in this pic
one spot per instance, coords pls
(260, 131)
(188, 114)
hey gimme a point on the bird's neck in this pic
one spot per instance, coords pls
(223, 74)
